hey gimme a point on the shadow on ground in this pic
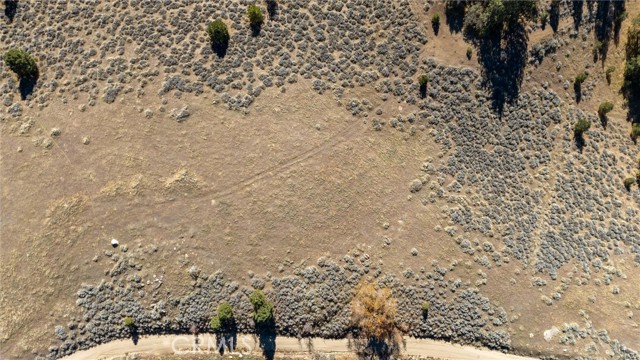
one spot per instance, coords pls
(27, 85)
(10, 9)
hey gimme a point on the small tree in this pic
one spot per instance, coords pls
(581, 127)
(262, 308)
(224, 319)
(469, 53)
(255, 16)
(635, 131)
(581, 77)
(605, 108)
(544, 18)
(218, 34)
(21, 63)
(425, 308)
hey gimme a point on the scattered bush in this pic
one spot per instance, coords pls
(255, 15)
(469, 52)
(581, 77)
(628, 182)
(21, 63)
(435, 22)
(581, 127)
(605, 108)
(635, 131)
(218, 33)
(608, 73)
(128, 321)
(425, 307)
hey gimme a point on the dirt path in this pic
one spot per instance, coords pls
(175, 344)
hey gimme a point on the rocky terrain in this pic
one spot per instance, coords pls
(507, 192)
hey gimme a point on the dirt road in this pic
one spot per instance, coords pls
(170, 344)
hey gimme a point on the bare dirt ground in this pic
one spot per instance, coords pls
(271, 190)
(182, 345)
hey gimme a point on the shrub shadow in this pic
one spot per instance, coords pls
(577, 7)
(10, 9)
(580, 142)
(135, 334)
(255, 30)
(577, 89)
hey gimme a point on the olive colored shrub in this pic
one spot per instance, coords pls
(218, 33)
(128, 321)
(256, 17)
(628, 182)
(581, 127)
(605, 108)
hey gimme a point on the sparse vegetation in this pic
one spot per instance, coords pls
(21, 63)
(218, 33)
(256, 17)
(605, 108)
(581, 127)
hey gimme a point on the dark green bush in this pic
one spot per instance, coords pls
(255, 16)
(225, 314)
(21, 63)
(485, 18)
(544, 18)
(605, 108)
(218, 33)
(469, 53)
(581, 127)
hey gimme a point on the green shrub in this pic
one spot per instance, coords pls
(605, 108)
(581, 77)
(435, 20)
(425, 307)
(581, 127)
(492, 17)
(544, 18)
(608, 73)
(635, 131)
(469, 52)
(218, 33)
(255, 16)
(632, 74)
(128, 321)
(423, 80)
(21, 63)
(257, 299)
(628, 182)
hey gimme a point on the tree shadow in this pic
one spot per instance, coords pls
(221, 48)
(255, 30)
(603, 28)
(272, 9)
(503, 62)
(423, 91)
(576, 12)
(267, 336)
(604, 120)
(375, 349)
(135, 334)
(227, 341)
(619, 14)
(554, 15)
(10, 9)
(579, 141)
(27, 85)
(577, 89)
(454, 14)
